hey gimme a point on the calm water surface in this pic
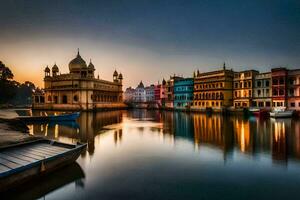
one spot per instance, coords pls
(164, 155)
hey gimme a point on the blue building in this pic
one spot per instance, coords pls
(183, 92)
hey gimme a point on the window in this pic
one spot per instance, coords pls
(267, 83)
(281, 92)
(249, 84)
(292, 92)
(258, 92)
(245, 84)
(268, 103)
(64, 99)
(293, 104)
(49, 98)
(236, 85)
(281, 81)
(258, 83)
(275, 81)
(75, 98)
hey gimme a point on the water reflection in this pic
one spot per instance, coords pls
(280, 138)
(147, 149)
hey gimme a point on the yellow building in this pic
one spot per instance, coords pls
(213, 89)
(243, 85)
(79, 89)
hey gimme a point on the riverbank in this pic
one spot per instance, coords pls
(13, 131)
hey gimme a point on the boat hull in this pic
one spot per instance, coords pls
(22, 174)
(51, 118)
(287, 114)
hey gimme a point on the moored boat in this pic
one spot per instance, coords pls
(258, 112)
(61, 117)
(23, 162)
(281, 112)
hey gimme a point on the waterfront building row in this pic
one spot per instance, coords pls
(225, 88)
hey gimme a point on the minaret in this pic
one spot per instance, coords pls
(224, 66)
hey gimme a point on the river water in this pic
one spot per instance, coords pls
(143, 154)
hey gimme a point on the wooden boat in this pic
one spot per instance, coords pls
(22, 162)
(62, 117)
(281, 112)
(258, 112)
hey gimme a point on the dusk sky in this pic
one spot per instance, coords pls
(149, 40)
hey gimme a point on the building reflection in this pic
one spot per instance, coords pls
(278, 138)
(87, 127)
(213, 130)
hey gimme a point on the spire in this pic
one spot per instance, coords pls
(224, 66)
(78, 52)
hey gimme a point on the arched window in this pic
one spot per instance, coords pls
(75, 98)
(64, 99)
(49, 98)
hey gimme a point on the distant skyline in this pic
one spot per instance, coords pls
(149, 40)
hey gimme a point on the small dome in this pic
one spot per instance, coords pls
(91, 65)
(47, 69)
(115, 73)
(55, 68)
(120, 76)
(77, 63)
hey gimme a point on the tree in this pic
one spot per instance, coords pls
(5, 72)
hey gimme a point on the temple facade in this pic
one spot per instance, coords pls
(79, 89)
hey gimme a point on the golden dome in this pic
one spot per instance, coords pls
(47, 69)
(120, 76)
(115, 73)
(55, 68)
(91, 65)
(77, 63)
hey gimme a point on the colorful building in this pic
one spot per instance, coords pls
(150, 93)
(243, 88)
(294, 89)
(169, 101)
(183, 92)
(213, 89)
(262, 92)
(279, 87)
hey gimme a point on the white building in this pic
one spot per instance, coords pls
(140, 93)
(150, 96)
(262, 94)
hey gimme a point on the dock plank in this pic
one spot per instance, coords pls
(20, 156)
(40, 151)
(28, 154)
(14, 159)
(9, 164)
(50, 150)
(53, 147)
(4, 168)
